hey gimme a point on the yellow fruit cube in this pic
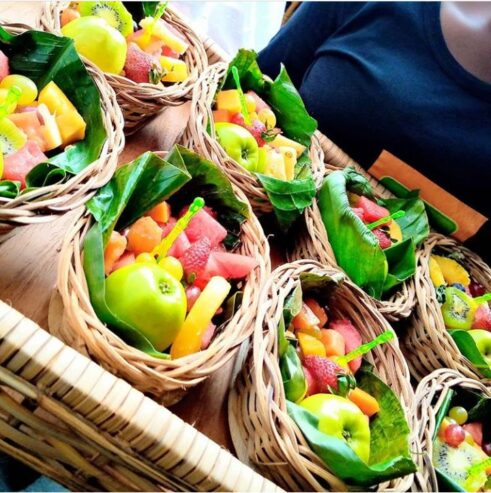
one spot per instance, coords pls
(49, 130)
(55, 99)
(160, 30)
(290, 158)
(395, 231)
(310, 345)
(436, 273)
(175, 70)
(72, 127)
(452, 271)
(275, 165)
(282, 141)
(229, 100)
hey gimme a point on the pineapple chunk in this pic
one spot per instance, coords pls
(230, 101)
(49, 130)
(282, 141)
(55, 99)
(290, 158)
(395, 231)
(175, 70)
(162, 31)
(275, 165)
(72, 127)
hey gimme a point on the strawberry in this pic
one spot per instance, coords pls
(140, 66)
(482, 318)
(257, 129)
(383, 238)
(238, 119)
(323, 371)
(195, 257)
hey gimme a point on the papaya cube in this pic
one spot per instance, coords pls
(72, 127)
(160, 213)
(310, 345)
(229, 100)
(175, 70)
(221, 116)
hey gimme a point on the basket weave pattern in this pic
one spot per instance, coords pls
(66, 417)
(429, 398)
(428, 343)
(264, 433)
(141, 101)
(42, 204)
(167, 380)
(314, 242)
(196, 137)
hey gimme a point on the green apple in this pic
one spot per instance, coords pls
(97, 41)
(482, 338)
(262, 160)
(148, 298)
(239, 144)
(341, 418)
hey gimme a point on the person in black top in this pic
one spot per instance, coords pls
(410, 78)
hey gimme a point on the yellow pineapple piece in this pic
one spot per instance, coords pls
(452, 271)
(290, 158)
(436, 273)
(175, 70)
(275, 165)
(55, 99)
(229, 100)
(160, 30)
(282, 141)
(395, 231)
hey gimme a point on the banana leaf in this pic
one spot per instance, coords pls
(288, 198)
(44, 57)
(478, 409)
(134, 189)
(469, 349)
(356, 248)
(390, 456)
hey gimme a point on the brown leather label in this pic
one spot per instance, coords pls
(468, 220)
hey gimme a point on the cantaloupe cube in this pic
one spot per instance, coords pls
(229, 100)
(175, 70)
(221, 116)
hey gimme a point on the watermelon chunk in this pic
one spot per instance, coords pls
(229, 265)
(382, 237)
(482, 318)
(352, 339)
(202, 224)
(4, 65)
(181, 244)
(371, 211)
(18, 164)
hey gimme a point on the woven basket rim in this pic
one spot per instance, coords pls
(59, 198)
(265, 435)
(196, 136)
(428, 400)
(427, 332)
(165, 379)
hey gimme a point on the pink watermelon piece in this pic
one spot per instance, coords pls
(202, 224)
(260, 103)
(371, 211)
(4, 65)
(181, 244)
(18, 164)
(208, 335)
(127, 258)
(311, 382)
(482, 318)
(166, 51)
(230, 265)
(352, 339)
(358, 211)
(382, 237)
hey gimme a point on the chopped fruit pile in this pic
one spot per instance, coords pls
(373, 215)
(104, 33)
(190, 270)
(330, 352)
(246, 128)
(33, 123)
(461, 450)
(464, 301)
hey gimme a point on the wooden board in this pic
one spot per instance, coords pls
(28, 260)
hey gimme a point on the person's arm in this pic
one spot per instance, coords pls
(296, 43)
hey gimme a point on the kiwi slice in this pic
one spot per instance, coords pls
(114, 13)
(458, 310)
(11, 138)
(455, 462)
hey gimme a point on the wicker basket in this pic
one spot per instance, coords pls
(43, 204)
(430, 396)
(141, 101)
(166, 380)
(68, 418)
(263, 433)
(426, 334)
(197, 137)
(314, 242)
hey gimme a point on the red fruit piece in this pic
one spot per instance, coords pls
(482, 317)
(229, 265)
(138, 64)
(208, 335)
(4, 65)
(454, 435)
(260, 103)
(352, 340)
(475, 430)
(18, 164)
(195, 257)
(382, 237)
(487, 448)
(166, 51)
(311, 383)
(204, 225)
(359, 212)
(371, 211)
(476, 289)
(323, 371)
(238, 119)
(192, 294)
(127, 258)
(182, 242)
(257, 128)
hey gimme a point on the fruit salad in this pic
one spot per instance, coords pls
(374, 241)
(462, 445)
(106, 34)
(324, 375)
(34, 123)
(465, 307)
(167, 266)
(264, 127)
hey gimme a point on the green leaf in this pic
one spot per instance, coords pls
(469, 349)
(9, 189)
(44, 57)
(292, 305)
(45, 174)
(401, 258)
(292, 374)
(251, 77)
(389, 448)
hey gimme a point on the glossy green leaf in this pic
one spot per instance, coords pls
(469, 349)
(9, 189)
(292, 374)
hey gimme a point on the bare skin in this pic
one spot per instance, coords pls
(466, 27)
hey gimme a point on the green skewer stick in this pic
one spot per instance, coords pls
(243, 103)
(13, 95)
(365, 348)
(159, 12)
(483, 298)
(160, 251)
(477, 469)
(386, 219)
